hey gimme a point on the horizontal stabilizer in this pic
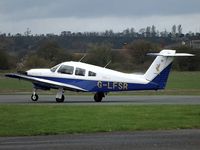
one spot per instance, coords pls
(168, 53)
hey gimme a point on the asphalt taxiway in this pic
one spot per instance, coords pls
(139, 140)
(108, 100)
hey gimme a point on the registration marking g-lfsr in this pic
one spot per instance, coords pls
(83, 77)
(112, 85)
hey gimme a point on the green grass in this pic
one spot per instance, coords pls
(18, 120)
(14, 85)
(179, 83)
(184, 80)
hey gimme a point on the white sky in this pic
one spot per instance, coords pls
(54, 16)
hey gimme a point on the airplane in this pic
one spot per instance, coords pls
(83, 77)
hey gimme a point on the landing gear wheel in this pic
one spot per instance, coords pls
(34, 97)
(60, 100)
(98, 96)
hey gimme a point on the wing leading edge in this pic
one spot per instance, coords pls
(45, 82)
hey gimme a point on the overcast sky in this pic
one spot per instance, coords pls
(54, 16)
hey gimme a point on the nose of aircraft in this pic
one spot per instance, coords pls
(37, 72)
(33, 72)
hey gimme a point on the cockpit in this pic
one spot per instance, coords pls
(65, 69)
(71, 70)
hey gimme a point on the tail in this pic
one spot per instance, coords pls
(159, 70)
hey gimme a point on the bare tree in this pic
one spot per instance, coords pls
(179, 29)
(174, 30)
(153, 31)
(148, 31)
(27, 32)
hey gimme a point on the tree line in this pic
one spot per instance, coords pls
(126, 50)
(131, 57)
(149, 31)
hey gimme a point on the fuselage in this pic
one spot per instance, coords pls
(92, 78)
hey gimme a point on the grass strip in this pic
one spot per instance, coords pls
(18, 120)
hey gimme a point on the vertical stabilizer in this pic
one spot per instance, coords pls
(159, 64)
(159, 70)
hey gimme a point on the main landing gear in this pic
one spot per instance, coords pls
(59, 96)
(60, 100)
(98, 96)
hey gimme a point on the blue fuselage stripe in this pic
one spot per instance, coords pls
(101, 86)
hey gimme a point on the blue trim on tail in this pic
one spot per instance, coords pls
(161, 79)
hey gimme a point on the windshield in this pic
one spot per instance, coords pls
(53, 69)
(65, 69)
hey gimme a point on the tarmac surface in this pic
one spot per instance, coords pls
(108, 100)
(139, 140)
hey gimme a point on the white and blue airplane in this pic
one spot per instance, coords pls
(78, 76)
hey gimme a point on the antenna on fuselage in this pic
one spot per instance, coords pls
(107, 64)
(82, 57)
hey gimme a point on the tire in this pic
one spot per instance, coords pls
(98, 97)
(34, 97)
(60, 100)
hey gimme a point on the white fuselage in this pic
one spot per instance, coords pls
(102, 74)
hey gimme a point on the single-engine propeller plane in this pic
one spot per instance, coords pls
(78, 76)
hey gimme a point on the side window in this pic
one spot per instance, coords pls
(66, 69)
(80, 72)
(92, 74)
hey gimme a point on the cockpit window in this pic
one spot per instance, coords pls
(66, 69)
(80, 72)
(53, 69)
(90, 73)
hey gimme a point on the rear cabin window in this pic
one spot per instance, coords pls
(66, 69)
(91, 74)
(80, 72)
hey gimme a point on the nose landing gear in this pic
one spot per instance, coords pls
(34, 96)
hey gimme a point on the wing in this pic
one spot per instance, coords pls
(45, 82)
